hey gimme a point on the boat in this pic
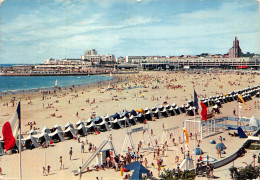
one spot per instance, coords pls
(56, 83)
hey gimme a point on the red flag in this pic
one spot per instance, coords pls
(203, 111)
(10, 130)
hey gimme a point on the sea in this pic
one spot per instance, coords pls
(35, 83)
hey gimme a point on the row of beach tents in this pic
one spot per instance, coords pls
(37, 138)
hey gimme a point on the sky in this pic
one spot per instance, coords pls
(34, 30)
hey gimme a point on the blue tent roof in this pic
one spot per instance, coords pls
(116, 115)
(138, 168)
(241, 133)
(221, 145)
(133, 113)
(212, 142)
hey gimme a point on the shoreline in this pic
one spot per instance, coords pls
(35, 90)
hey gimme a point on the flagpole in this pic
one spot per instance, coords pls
(20, 148)
(196, 106)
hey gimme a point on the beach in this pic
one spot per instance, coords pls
(130, 92)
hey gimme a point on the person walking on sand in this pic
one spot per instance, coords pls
(70, 153)
(82, 147)
(219, 151)
(48, 169)
(60, 162)
(234, 111)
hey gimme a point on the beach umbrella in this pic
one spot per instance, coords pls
(138, 168)
(221, 145)
(197, 151)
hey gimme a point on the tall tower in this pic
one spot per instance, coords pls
(235, 51)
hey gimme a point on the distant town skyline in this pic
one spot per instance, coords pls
(34, 30)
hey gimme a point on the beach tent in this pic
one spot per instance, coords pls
(148, 115)
(115, 124)
(88, 122)
(91, 127)
(165, 113)
(140, 117)
(216, 109)
(107, 118)
(182, 109)
(124, 121)
(221, 145)
(172, 111)
(57, 135)
(43, 137)
(167, 107)
(241, 133)
(253, 122)
(139, 170)
(132, 120)
(29, 142)
(133, 112)
(146, 110)
(98, 120)
(115, 116)
(103, 126)
(79, 123)
(197, 151)
(140, 111)
(190, 111)
(33, 132)
(174, 105)
(81, 129)
(124, 114)
(177, 110)
(70, 132)
(191, 103)
(47, 130)
(161, 108)
(258, 95)
(56, 127)
(218, 103)
(156, 113)
(68, 125)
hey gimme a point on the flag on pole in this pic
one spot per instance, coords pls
(196, 100)
(203, 111)
(10, 129)
(240, 99)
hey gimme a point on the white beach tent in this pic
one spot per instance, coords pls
(79, 123)
(68, 125)
(29, 139)
(43, 137)
(57, 127)
(81, 129)
(47, 130)
(132, 120)
(115, 124)
(124, 121)
(103, 125)
(70, 132)
(57, 134)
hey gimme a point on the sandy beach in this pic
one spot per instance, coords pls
(135, 92)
